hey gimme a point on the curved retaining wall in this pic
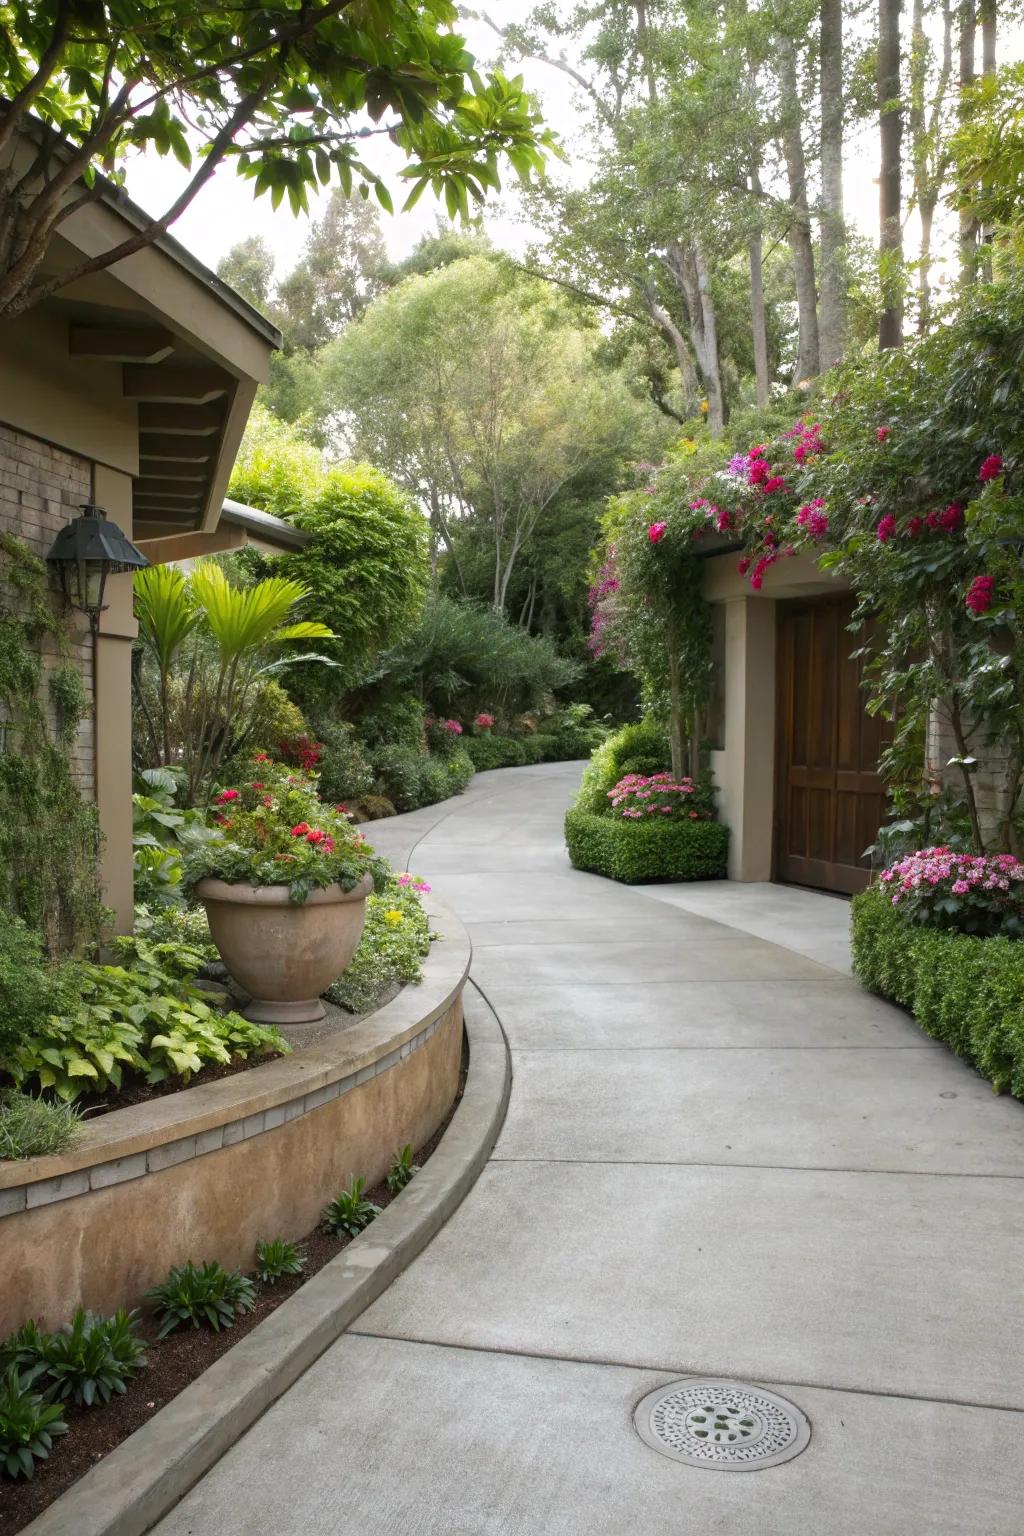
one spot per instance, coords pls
(204, 1173)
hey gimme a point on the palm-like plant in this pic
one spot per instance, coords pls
(214, 640)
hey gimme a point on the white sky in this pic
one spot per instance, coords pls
(226, 211)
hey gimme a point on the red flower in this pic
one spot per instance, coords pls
(744, 565)
(882, 433)
(992, 467)
(776, 483)
(226, 795)
(886, 528)
(656, 532)
(981, 594)
(758, 471)
(914, 526)
(300, 829)
(315, 836)
(951, 518)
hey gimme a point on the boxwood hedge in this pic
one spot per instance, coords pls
(635, 852)
(966, 991)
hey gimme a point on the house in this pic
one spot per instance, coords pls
(129, 389)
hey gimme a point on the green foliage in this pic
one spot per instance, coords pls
(365, 570)
(459, 767)
(570, 734)
(183, 930)
(30, 988)
(349, 1213)
(637, 852)
(203, 1295)
(395, 940)
(287, 109)
(49, 835)
(402, 1171)
(139, 1021)
(24, 1348)
(966, 991)
(640, 748)
(494, 750)
(28, 1426)
(462, 658)
(345, 774)
(211, 646)
(277, 468)
(160, 834)
(33, 1127)
(393, 720)
(94, 1358)
(276, 1258)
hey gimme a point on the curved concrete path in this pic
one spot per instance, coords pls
(721, 1157)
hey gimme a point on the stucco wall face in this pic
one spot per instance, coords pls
(41, 488)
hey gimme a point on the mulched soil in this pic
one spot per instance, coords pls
(174, 1362)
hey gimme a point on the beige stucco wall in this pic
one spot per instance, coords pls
(113, 692)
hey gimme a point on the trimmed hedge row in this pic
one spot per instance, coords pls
(966, 991)
(492, 751)
(634, 852)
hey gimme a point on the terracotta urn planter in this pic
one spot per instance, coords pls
(284, 953)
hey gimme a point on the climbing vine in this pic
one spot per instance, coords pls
(49, 835)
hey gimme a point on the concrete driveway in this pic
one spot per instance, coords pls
(721, 1158)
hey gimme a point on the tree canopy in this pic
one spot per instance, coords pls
(285, 93)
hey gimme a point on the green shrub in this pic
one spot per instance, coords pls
(398, 771)
(94, 1359)
(198, 1294)
(396, 722)
(435, 784)
(396, 937)
(634, 852)
(28, 1426)
(31, 1127)
(24, 1348)
(459, 768)
(345, 774)
(402, 1171)
(492, 751)
(964, 990)
(349, 1212)
(31, 989)
(640, 748)
(275, 1258)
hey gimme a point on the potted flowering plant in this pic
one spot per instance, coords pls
(285, 887)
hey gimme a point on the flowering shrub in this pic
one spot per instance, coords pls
(275, 830)
(636, 797)
(302, 751)
(972, 892)
(483, 721)
(395, 940)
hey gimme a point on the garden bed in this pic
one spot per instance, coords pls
(644, 852)
(173, 1363)
(964, 990)
(207, 1171)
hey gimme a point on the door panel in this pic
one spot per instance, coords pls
(830, 800)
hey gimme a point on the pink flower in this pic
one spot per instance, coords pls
(758, 472)
(991, 468)
(452, 727)
(421, 885)
(656, 532)
(483, 721)
(744, 565)
(882, 433)
(228, 794)
(981, 594)
(886, 528)
(960, 887)
(951, 518)
(776, 483)
(914, 526)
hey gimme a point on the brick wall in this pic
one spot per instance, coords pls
(41, 488)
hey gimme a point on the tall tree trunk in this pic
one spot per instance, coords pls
(929, 147)
(688, 266)
(679, 344)
(890, 201)
(987, 10)
(968, 238)
(758, 326)
(808, 362)
(832, 313)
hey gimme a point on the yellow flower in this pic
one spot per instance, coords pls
(394, 917)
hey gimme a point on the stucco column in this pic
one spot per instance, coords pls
(113, 703)
(745, 770)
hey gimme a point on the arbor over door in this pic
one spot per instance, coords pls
(830, 801)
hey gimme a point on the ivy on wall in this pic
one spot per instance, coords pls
(49, 835)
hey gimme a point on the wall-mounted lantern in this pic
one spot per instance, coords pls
(85, 552)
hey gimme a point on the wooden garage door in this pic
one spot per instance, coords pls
(830, 801)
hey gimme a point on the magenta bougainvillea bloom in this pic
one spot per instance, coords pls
(914, 526)
(882, 433)
(992, 467)
(656, 532)
(226, 795)
(886, 528)
(981, 594)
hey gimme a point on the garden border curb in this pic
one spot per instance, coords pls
(147, 1474)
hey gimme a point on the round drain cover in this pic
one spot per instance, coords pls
(726, 1425)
